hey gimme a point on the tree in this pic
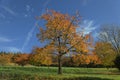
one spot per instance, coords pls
(78, 59)
(60, 32)
(117, 62)
(93, 59)
(111, 34)
(41, 56)
(85, 59)
(105, 52)
(67, 61)
(5, 58)
(21, 59)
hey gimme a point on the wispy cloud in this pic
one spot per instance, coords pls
(87, 26)
(30, 33)
(10, 49)
(4, 39)
(10, 11)
(2, 15)
(44, 6)
(28, 8)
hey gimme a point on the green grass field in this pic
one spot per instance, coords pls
(45, 73)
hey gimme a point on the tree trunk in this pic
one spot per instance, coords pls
(59, 65)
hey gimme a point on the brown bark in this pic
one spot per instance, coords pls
(59, 65)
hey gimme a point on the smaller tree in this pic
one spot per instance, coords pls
(95, 59)
(92, 60)
(111, 34)
(21, 59)
(3, 61)
(105, 52)
(41, 56)
(85, 59)
(78, 59)
(5, 58)
(117, 62)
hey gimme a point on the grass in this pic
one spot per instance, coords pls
(69, 73)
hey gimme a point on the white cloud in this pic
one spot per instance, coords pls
(28, 7)
(87, 26)
(26, 15)
(7, 9)
(10, 49)
(4, 39)
(44, 6)
(30, 33)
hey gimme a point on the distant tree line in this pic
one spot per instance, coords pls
(43, 57)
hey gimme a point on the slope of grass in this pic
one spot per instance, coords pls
(45, 73)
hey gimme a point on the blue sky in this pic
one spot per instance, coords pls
(18, 24)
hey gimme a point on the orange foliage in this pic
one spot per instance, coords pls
(41, 56)
(61, 33)
(21, 59)
(5, 59)
(80, 59)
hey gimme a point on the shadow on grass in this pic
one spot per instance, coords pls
(36, 77)
(86, 78)
(81, 78)
(98, 73)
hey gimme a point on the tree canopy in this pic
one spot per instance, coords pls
(61, 33)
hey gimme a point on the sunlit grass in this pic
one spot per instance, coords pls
(45, 73)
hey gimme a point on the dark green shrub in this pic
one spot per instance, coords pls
(117, 62)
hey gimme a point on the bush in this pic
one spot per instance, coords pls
(117, 62)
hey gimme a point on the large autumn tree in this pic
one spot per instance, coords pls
(60, 32)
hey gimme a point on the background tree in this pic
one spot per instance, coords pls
(111, 34)
(21, 59)
(93, 60)
(41, 56)
(61, 33)
(85, 59)
(105, 52)
(117, 62)
(78, 59)
(5, 58)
